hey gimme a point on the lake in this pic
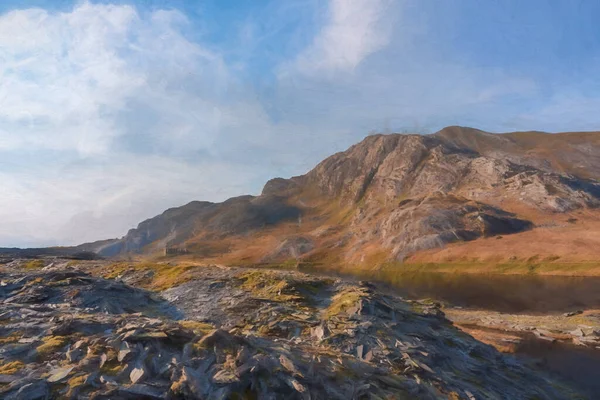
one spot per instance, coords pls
(514, 294)
(504, 293)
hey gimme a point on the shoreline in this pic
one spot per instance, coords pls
(567, 269)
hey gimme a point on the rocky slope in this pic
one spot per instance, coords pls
(387, 198)
(67, 331)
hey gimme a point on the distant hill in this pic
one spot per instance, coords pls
(393, 197)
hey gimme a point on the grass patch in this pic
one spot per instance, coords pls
(75, 384)
(76, 381)
(111, 368)
(342, 301)
(165, 276)
(51, 344)
(273, 286)
(11, 367)
(34, 264)
(199, 328)
(267, 285)
(12, 338)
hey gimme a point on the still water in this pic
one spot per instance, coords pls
(505, 293)
(575, 365)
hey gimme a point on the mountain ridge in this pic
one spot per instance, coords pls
(386, 198)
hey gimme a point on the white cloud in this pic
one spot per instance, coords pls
(97, 106)
(109, 115)
(67, 80)
(86, 202)
(61, 76)
(355, 30)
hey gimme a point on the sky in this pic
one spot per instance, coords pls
(113, 111)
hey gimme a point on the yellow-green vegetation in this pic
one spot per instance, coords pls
(199, 328)
(51, 344)
(273, 286)
(34, 264)
(169, 276)
(342, 301)
(165, 275)
(264, 330)
(13, 337)
(290, 263)
(111, 368)
(264, 284)
(74, 383)
(422, 305)
(114, 271)
(11, 367)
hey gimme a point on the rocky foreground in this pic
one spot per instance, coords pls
(229, 333)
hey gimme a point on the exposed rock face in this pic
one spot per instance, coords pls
(246, 334)
(386, 167)
(574, 153)
(432, 221)
(232, 217)
(400, 194)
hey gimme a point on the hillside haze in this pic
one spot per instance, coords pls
(393, 197)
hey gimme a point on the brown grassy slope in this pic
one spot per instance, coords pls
(392, 195)
(562, 244)
(560, 248)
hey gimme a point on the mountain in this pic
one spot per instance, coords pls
(393, 197)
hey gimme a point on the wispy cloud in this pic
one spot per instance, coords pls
(84, 201)
(354, 30)
(79, 80)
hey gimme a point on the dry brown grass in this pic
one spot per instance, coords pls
(11, 367)
(567, 249)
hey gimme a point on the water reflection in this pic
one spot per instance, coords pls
(504, 293)
(575, 364)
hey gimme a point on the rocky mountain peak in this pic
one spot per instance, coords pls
(395, 194)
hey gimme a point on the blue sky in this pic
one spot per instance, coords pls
(112, 111)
